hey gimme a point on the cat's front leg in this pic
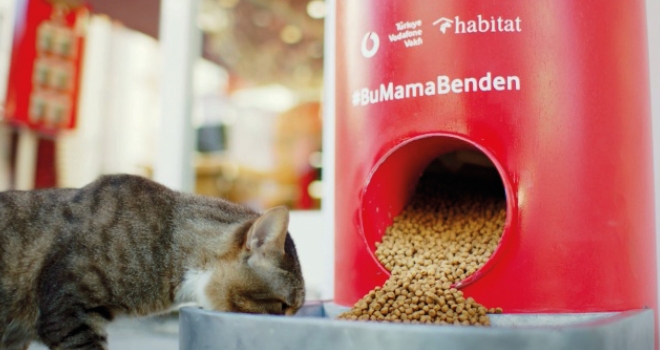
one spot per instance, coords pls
(74, 328)
(22, 346)
(14, 336)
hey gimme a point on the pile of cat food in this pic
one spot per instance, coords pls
(446, 233)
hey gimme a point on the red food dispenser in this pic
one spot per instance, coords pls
(554, 92)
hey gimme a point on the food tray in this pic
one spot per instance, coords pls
(315, 328)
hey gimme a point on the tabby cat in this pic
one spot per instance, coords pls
(72, 259)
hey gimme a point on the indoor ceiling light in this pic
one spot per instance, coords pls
(316, 8)
(291, 34)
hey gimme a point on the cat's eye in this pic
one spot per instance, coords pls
(274, 305)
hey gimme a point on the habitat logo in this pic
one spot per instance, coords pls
(481, 24)
(444, 24)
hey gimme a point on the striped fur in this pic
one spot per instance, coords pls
(73, 259)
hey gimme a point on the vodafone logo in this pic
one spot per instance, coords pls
(370, 44)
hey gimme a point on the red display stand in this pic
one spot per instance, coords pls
(43, 86)
(555, 93)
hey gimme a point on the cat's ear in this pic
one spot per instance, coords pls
(268, 232)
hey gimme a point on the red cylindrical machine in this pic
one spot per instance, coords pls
(554, 92)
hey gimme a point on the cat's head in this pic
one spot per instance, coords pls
(262, 275)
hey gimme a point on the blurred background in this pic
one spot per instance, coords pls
(86, 83)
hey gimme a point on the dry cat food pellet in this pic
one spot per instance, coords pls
(445, 234)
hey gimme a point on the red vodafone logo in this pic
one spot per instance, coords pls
(370, 44)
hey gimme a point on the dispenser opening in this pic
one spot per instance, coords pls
(454, 220)
(434, 212)
(437, 201)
